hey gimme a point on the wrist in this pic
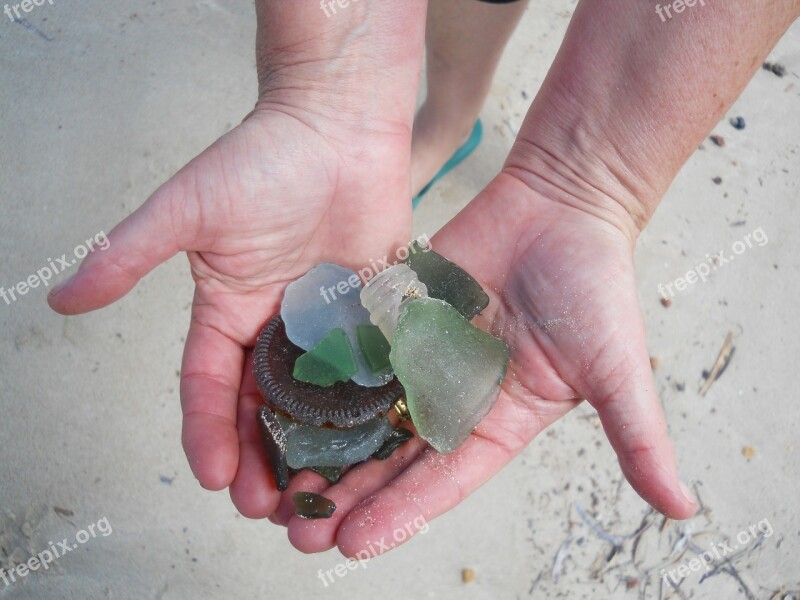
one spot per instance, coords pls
(628, 100)
(582, 170)
(354, 63)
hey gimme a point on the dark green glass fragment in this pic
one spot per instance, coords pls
(312, 506)
(274, 440)
(374, 347)
(332, 474)
(447, 281)
(398, 437)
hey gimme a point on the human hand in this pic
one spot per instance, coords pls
(563, 296)
(551, 240)
(318, 172)
(258, 209)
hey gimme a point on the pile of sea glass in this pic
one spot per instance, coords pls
(338, 358)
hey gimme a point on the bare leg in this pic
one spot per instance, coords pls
(465, 40)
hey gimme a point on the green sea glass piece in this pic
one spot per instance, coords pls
(309, 446)
(450, 369)
(398, 437)
(332, 474)
(309, 505)
(374, 347)
(447, 281)
(274, 440)
(329, 361)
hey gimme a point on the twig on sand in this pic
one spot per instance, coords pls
(727, 566)
(720, 365)
(615, 540)
(535, 583)
(560, 557)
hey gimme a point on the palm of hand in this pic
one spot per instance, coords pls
(274, 223)
(564, 298)
(256, 210)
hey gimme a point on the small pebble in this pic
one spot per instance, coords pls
(467, 575)
(776, 68)
(738, 123)
(717, 180)
(718, 140)
(655, 362)
(748, 452)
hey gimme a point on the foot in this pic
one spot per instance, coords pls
(434, 140)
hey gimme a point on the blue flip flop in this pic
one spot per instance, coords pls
(463, 152)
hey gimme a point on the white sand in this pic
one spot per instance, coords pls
(121, 98)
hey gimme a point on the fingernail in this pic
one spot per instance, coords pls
(60, 287)
(688, 495)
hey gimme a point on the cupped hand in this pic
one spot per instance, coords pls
(563, 295)
(256, 210)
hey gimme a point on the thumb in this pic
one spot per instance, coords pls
(135, 247)
(628, 406)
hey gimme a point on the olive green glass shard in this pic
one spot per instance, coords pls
(273, 439)
(332, 474)
(374, 347)
(309, 505)
(329, 361)
(398, 437)
(450, 369)
(447, 281)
